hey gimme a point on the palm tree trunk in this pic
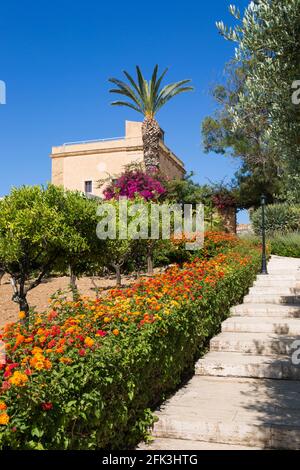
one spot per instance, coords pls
(151, 134)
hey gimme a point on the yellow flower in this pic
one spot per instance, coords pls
(39, 365)
(22, 315)
(36, 350)
(18, 379)
(66, 360)
(106, 320)
(4, 419)
(88, 342)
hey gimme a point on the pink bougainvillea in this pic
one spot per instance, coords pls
(134, 183)
(223, 200)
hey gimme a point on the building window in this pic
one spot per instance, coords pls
(88, 187)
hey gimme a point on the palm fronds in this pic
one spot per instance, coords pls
(147, 97)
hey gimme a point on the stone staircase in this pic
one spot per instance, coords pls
(246, 390)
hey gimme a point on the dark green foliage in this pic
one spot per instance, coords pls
(279, 218)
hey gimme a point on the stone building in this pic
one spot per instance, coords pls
(80, 165)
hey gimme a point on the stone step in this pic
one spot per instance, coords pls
(263, 310)
(248, 412)
(254, 343)
(272, 299)
(230, 364)
(275, 290)
(288, 326)
(265, 282)
(278, 277)
(183, 444)
(285, 261)
(284, 267)
(283, 271)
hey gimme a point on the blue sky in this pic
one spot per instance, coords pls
(56, 58)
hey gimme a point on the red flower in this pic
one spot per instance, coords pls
(101, 333)
(81, 352)
(5, 386)
(47, 406)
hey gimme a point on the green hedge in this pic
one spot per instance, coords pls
(104, 399)
(286, 245)
(279, 218)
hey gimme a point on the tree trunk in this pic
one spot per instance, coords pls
(21, 300)
(151, 134)
(24, 307)
(73, 284)
(1, 275)
(150, 259)
(117, 268)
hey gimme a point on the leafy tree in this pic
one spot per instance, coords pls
(112, 229)
(32, 236)
(186, 191)
(260, 167)
(267, 38)
(79, 213)
(42, 229)
(147, 98)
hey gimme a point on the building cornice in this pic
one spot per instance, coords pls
(69, 153)
(97, 151)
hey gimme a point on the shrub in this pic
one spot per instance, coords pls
(174, 250)
(86, 374)
(286, 245)
(279, 218)
(134, 183)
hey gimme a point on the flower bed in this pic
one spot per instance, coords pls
(87, 374)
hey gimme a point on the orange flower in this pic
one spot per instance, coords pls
(48, 364)
(22, 315)
(116, 332)
(3, 406)
(19, 339)
(89, 342)
(28, 340)
(4, 419)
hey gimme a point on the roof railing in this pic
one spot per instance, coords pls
(93, 141)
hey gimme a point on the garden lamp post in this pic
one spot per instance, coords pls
(264, 269)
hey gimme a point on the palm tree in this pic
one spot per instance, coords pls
(148, 98)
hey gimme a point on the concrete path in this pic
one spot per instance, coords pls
(246, 391)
